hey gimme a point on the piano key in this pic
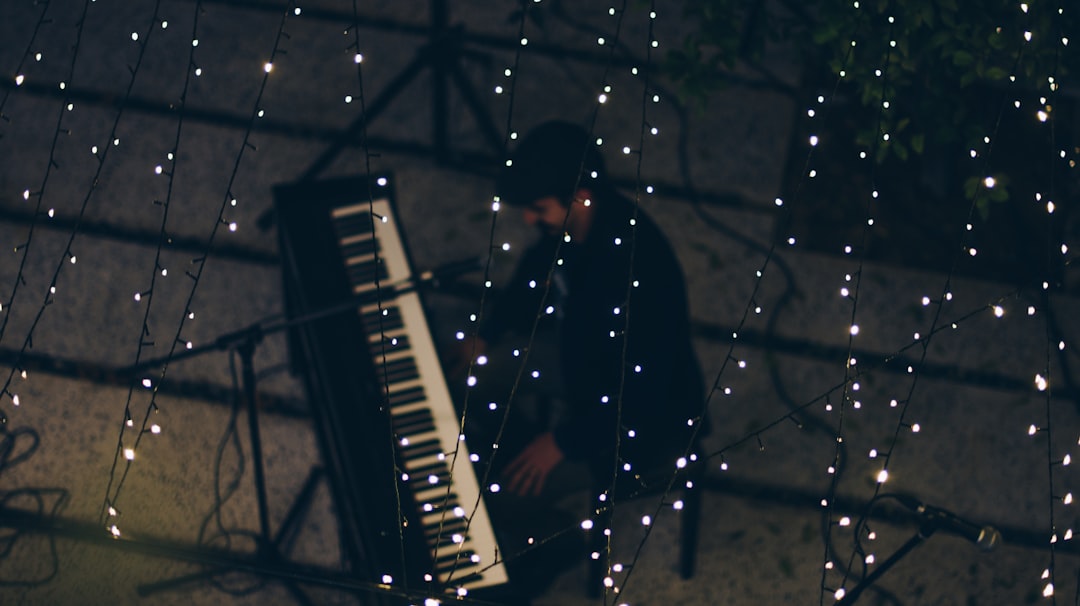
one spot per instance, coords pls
(396, 371)
(435, 462)
(415, 428)
(350, 224)
(406, 395)
(421, 449)
(435, 506)
(443, 525)
(365, 246)
(388, 318)
(388, 343)
(417, 422)
(445, 562)
(422, 481)
(408, 369)
(367, 271)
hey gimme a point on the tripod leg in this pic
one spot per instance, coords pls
(151, 588)
(290, 525)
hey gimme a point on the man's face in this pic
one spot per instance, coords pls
(548, 214)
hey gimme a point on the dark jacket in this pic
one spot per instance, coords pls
(625, 335)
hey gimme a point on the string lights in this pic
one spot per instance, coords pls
(109, 511)
(119, 473)
(836, 404)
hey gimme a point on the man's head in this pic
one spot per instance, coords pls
(555, 169)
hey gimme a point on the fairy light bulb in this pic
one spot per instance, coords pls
(1040, 382)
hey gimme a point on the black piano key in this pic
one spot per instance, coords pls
(389, 343)
(359, 248)
(412, 423)
(422, 481)
(386, 319)
(397, 371)
(353, 224)
(366, 272)
(385, 293)
(364, 255)
(406, 396)
(438, 468)
(445, 526)
(449, 557)
(437, 504)
(420, 414)
(422, 484)
(420, 450)
(466, 580)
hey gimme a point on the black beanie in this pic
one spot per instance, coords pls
(553, 159)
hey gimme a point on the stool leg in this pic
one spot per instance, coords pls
(691, 519)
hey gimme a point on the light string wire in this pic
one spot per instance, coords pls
(143, 341)
(1051, 459)
(613, 591)
(756, 434)
(25, 247)
(379, 297)
(20, 278)
(944, 298)
(512, 397)
(771, 257)
(19, 75)
(485, 477)
(789, 289)
(480, 317)
(922, 343)
(200, 261)
(11, 452)
(101, 157)
(837, 468)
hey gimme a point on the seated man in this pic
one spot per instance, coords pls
(605, 284)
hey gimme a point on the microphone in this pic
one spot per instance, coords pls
(985, 538)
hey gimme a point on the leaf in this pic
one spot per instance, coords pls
(900, 150)
(918, 143)
(962, 58)
(971, 187)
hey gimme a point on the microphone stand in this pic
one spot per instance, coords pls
(244, 341)
(926, 529)
(268, 547)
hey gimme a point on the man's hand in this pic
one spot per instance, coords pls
(527, 473)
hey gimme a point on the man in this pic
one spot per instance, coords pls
(605, 282)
